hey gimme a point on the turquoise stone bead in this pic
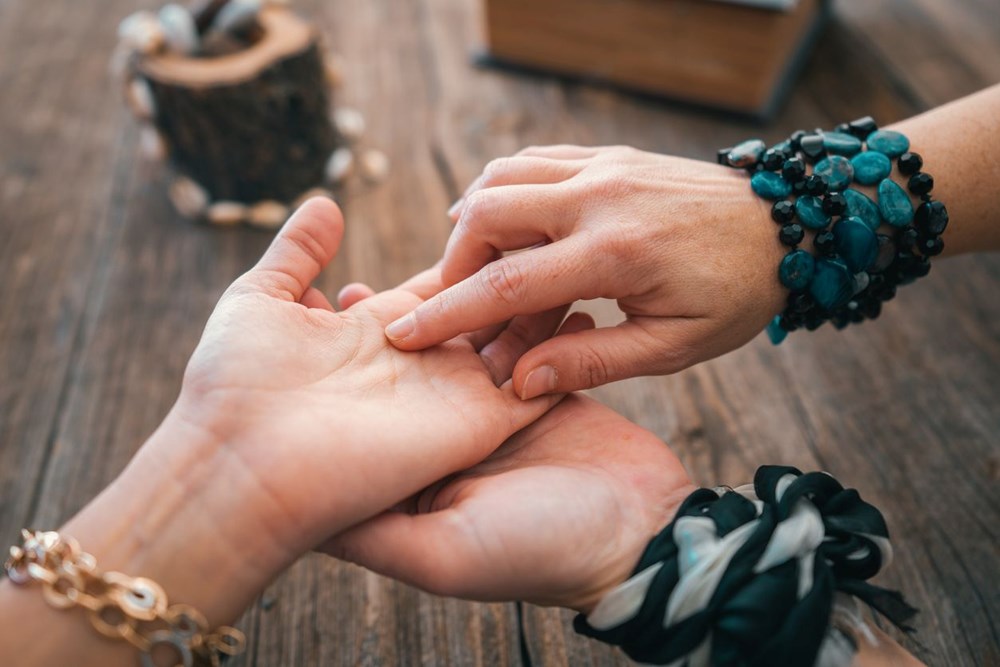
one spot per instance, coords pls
(810, 212)
(770, 185)
(746, 153)
(796, 269)
(838, 172)
(860, 206)
(888, 142)
(840, 143)
(785, 145)
(894, 204)
(832, 285)
(871, 167)
(775, 331)
(856, 244)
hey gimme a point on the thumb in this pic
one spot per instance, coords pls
(590, 358)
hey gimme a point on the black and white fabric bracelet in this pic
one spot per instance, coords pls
(750, 576)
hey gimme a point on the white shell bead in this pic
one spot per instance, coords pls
(268, 214)
(333, 66)
(141, 32)
(151, 144)
(189, 198)
(340, 164)
(139, 97)
(374, 165)
(350, 123)
(237, 15)
(179, 29)
(227, 213)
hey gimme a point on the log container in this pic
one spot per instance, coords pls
(249, 126)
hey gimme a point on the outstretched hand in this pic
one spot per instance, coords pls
(329, 422)
(558, 515)
(685, 247)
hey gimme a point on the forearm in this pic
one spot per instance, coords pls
(195, 538)
(960, 145)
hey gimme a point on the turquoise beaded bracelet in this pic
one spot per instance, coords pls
(863, 249)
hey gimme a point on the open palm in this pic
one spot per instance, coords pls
(331, 421)
(558, 515)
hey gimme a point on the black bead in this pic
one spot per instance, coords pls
(922, 269)
(889, 293)
(794, 170)
(843, 128)
(812, 147)
(799, 187)
(885, 257)
(801, 302)
(813, 323)
(722, 157)
(840, 320)
(783, 212)
(909, 163)
(834, 203)
(930, 246)
(862, 127)
(796, 138)
(855, 314)
(931, 217)
(791, 235)
(815, 185)
(824, 243)
(907, 239)
(871, 308)
(772, 159)
(920, 183)
(789, 323)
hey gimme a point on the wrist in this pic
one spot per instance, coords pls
(623, 568)
(183, 514)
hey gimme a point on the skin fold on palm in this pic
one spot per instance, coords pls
(558, 515)
(331, 422)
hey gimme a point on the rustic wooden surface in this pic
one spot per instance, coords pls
(103, 289)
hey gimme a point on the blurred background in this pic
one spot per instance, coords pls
(104, 289)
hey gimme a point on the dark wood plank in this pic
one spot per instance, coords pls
(98, 272)
(64, 164)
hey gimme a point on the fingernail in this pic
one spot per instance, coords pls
(455, 208)
(401, 328)
(540, 381)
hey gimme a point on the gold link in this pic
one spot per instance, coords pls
(39, 573)
(133, 609)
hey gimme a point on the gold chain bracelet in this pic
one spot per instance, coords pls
(119, 607)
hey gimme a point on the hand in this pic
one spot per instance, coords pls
(685, 247)
(332, 422)
(558, 515)
(295, 422)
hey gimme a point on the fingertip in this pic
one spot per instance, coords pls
(352, 294)
(397, 332)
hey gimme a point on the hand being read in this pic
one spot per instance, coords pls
(685, 247)
(330, 422)
(558, 515)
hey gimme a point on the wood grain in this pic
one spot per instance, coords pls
(103, 289)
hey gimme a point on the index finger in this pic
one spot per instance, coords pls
(530, 282)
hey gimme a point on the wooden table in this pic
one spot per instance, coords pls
(103, 290)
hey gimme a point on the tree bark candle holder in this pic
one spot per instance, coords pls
(248, 133)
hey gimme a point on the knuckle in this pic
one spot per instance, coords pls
(534, 149)
(593, 369)
(503, 281)
(477, 208)
(494, 172)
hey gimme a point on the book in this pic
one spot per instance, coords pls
(721, 54)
